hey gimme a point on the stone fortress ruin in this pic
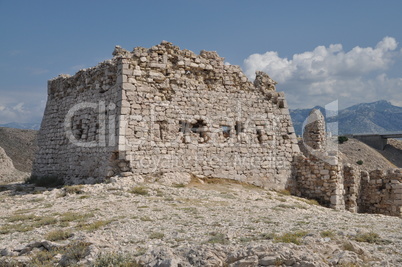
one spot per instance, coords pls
(163, 110)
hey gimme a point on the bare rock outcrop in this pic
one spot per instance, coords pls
(7, 171)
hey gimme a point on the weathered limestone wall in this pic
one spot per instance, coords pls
(318, 174)
(193, 113)
(162, 110)
(381, 192)
(353, 189)
(314, 134)
(87, 151)
(318, 179)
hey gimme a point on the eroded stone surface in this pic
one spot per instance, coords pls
(202, 224)
(166, 110)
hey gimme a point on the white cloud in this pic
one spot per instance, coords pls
(21, 107)
(328, 73)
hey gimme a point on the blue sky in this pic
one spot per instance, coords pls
(318, 51)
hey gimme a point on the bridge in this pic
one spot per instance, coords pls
(377, 141)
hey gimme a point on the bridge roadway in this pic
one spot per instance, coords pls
(377, 141)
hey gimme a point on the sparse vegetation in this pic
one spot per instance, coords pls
(268, 236)
(73, 189)
(94, 225)
(293, 237)
(179, 185)
(146, 219)
(370, 237)
(342, 139)
(75, 251)
(218, 238)
(359, 162)
(21, 217)
(156, 235)
(42, 221)
(284, 192)
(43, 258)
(71, 254)
(281, 199)
(284, 206)
(327, 233)
(12, 228)
(115, 259)
(139, 190)
(57, 235)
(72, 216)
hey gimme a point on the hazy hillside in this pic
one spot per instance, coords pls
(26, 126)
(20, 146)
(376, 117)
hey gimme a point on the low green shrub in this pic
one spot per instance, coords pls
(342, 139)
(75, 251)
(293, 237)
(139, 190)
(370, 237)
(57, 235)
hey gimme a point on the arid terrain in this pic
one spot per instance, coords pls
(354, 151)
(205, 223)
(186, 221)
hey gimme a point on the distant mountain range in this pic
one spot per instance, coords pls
(376, 117)
(25, 126)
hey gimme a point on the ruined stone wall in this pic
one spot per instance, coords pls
(193, 113)
(381, 192)
(162, 110)
(347, 187)
(319, 178)
(314, 134)
(319, 175)
(353, 189)
(74, 136)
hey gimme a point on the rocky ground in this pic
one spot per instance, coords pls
(209, 222)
